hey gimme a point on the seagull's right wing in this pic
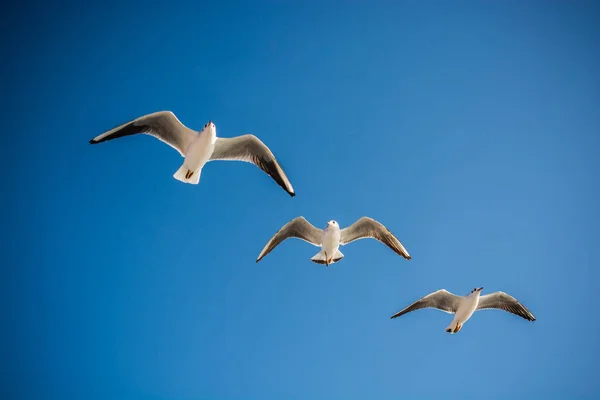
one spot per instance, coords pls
(442, 300)
(297, 228)
(367, 227)
(163, 125)
(249, 148)
(504, 302)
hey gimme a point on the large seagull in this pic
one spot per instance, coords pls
(198, 148)
(330, 238)
(463, 307)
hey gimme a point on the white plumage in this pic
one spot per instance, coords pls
(463, 307)
(198, 148)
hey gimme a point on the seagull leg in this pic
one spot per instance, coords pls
(326, 260)
(458, 327)
(189, 174)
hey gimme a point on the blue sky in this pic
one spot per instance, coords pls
(471, 130)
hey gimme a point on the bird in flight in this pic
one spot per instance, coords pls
(330, 238)
(463, 307)
(198, 148)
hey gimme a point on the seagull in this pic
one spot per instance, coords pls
(330, 238)
(198, 148)
(463, 307)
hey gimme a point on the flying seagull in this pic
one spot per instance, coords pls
(198, 148)
(330, 238)
(463, 307)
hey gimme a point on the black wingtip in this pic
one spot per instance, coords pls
(93, 141)
(292, 194)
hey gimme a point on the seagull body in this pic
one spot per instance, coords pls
(330, 238)
(198, 148)
(198, 153)
(463, 307)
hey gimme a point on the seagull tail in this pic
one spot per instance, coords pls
(320, 257)
(184, 175)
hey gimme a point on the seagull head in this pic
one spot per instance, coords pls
(332, 223)
(476, 290)
(209, 125)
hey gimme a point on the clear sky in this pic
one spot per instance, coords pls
(470, 129)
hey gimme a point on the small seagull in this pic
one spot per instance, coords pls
(330, 238)
(198, 148)
(463, 307)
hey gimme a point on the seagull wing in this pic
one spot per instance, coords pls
(441, 299)
(250, 149)
(506, 302)
(297, 228)
(163, 125)
(369, 228)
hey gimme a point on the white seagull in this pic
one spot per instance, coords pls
(463, 307)
(198, 148)
(330, 238)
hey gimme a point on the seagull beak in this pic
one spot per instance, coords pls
(479, 290)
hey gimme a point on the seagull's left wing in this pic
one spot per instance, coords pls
(503, 301)
(441, 299)
(369, 228)
(163, 125)
(299, 228)
(250, 149)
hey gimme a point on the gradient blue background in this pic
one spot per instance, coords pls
(470, 129)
